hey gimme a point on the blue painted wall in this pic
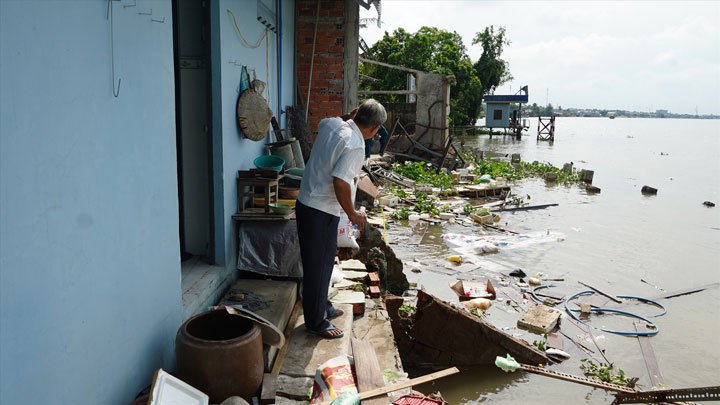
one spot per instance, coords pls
(490, 108)
(89, 251)
(237, 151)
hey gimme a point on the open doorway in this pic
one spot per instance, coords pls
(191, 32)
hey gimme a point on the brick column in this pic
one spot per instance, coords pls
(326, 84)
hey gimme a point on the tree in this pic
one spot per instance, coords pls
(431, 50)
(490, 69)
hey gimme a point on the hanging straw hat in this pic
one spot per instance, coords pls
(253, 115)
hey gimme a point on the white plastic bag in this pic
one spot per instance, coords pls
(346, 233)
(337, 275)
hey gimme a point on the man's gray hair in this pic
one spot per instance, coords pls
(370, 113)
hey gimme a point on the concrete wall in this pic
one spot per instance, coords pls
(432, 110)
(89, 251)
(230, 53)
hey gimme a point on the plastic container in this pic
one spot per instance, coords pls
(270, 162)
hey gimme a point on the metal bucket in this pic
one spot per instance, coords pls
(284, 150)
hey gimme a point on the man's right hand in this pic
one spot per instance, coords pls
(358, 218)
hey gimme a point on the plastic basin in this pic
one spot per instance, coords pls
(270, 162)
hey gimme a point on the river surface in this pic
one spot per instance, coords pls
(611, 241)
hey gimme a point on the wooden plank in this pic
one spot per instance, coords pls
(269, 389)
(539, 319)
(601, 292)
(685, 291)
(367, 369)
(656, 378)
(276, 129)
(289, 328)
(409, 383)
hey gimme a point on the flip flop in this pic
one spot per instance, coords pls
(335, 313)
(331, 332)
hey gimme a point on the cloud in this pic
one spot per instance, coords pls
(607, 54)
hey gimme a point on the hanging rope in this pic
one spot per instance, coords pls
(242, 37)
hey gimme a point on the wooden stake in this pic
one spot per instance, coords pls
(601, 293)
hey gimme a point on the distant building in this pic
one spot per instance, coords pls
(661, 113)
(504, 111)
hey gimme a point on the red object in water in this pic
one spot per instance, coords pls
(414, 399)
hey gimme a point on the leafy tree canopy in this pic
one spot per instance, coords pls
(438, 51)
(490, 69)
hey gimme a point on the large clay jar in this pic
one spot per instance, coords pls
(221, 355)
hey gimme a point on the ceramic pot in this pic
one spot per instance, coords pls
(221, 355)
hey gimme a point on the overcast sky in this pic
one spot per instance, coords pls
(630, 55)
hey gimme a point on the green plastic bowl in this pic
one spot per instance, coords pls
(270, 162)
(280, 208)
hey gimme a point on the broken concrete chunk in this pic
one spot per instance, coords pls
(647, 190)
(539, 319)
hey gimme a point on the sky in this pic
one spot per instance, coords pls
(614, 55)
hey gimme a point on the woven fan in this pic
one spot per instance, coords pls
(253, 115)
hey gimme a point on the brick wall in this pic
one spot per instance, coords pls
(326, 84)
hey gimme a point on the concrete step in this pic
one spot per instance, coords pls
(307, 351)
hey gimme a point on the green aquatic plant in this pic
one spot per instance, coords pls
(521, 170)
(424, 173)
(406, 310)
(541, 344)
(398, 192)
(426, 204)
(401, 213)
(604, 372)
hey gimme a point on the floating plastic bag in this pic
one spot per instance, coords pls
(507, 364)
(333, 379)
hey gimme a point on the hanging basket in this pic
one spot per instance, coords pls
(253, 115)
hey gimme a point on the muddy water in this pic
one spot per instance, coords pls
(612, 240)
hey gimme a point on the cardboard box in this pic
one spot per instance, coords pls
(467, 290)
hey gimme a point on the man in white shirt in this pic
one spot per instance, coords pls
(337, 157)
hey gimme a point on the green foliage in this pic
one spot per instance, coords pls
(490, 69)
(358, 287)
(522, 170)
(406, 310)
(398, 191)
(430, 50)
(535, 110)
(604, 372)
(425, 203)
(401, 213)
(540, 344)
(424, 173)
(477, 312)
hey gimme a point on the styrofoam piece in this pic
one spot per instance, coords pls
(352, 264)
(169, 390)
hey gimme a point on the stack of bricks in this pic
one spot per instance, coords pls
(374, 285)
(326, 84)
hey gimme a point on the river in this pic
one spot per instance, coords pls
(611, 240)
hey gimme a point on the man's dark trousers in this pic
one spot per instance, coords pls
(317, 234)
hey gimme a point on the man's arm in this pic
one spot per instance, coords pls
(344, 197)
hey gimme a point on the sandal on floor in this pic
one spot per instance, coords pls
(335, 313)
(331, 332)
